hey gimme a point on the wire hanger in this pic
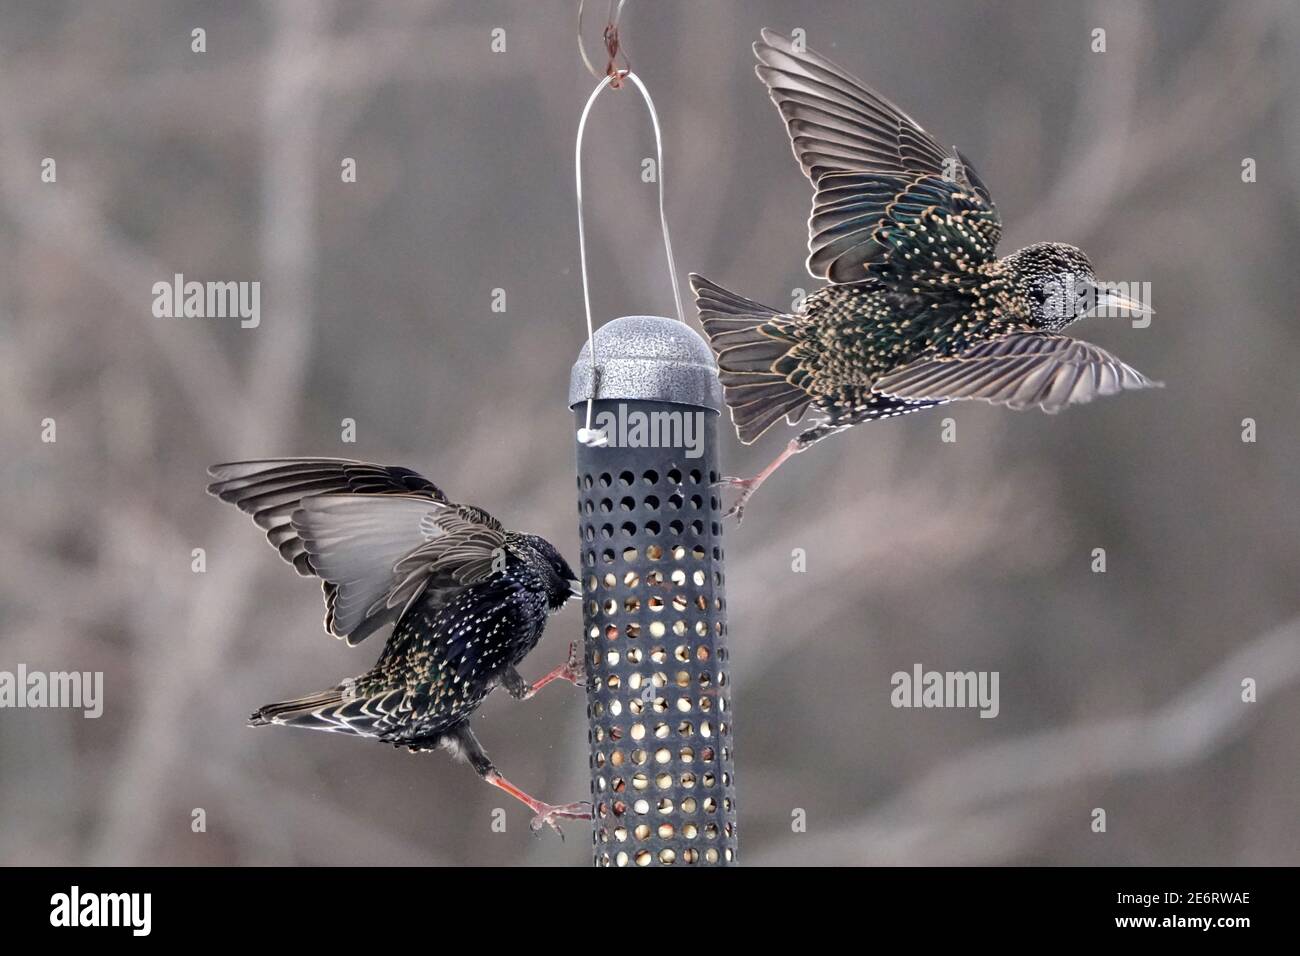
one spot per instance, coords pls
(613, 78)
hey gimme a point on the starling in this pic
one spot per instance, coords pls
(920, 310)
(469, 600)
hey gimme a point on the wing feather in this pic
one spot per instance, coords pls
(381, 553)
(378, 536)
(864, 157)
(272, 489)
(1017, 370)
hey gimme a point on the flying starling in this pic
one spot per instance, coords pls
(920, 310)
(469, 600)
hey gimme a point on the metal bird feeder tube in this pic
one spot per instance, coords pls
(654, 607)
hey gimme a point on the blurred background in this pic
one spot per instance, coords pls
(1119, 690)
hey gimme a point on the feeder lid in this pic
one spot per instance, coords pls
(649, 358)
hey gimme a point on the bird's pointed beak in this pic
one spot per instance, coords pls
(575, 590)
(1112, 300)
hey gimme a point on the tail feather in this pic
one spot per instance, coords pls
(338, 710)
(749, 341)
(284, 711)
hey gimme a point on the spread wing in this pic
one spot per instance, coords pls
(378, 536)
(1017, 370)
(381, 552)
(878, 176)
(272, 489)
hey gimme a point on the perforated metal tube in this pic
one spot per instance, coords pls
(654, 607)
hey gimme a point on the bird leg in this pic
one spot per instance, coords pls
(574, 670)
(802, 442)
(748, 486)
(544, 814)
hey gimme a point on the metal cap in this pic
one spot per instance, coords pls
(648, 357)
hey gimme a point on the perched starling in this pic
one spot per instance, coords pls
(469, 598)
(920, 310)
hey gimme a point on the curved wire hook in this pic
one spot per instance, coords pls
(586, 435)
(613, 45)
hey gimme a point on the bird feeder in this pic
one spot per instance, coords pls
(654, 605)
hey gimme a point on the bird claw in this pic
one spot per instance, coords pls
(575, 668)
(748, 486)
(549, 816)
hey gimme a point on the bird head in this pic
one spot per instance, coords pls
(1054, 285)
(560, 579)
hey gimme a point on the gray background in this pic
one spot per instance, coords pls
(1118, 691)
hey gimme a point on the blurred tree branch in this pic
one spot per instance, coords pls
(959, 797)
(186, 663)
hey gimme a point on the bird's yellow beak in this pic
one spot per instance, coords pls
(1114, 299)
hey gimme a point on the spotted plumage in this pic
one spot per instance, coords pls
(919, 309)
(468, 599)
